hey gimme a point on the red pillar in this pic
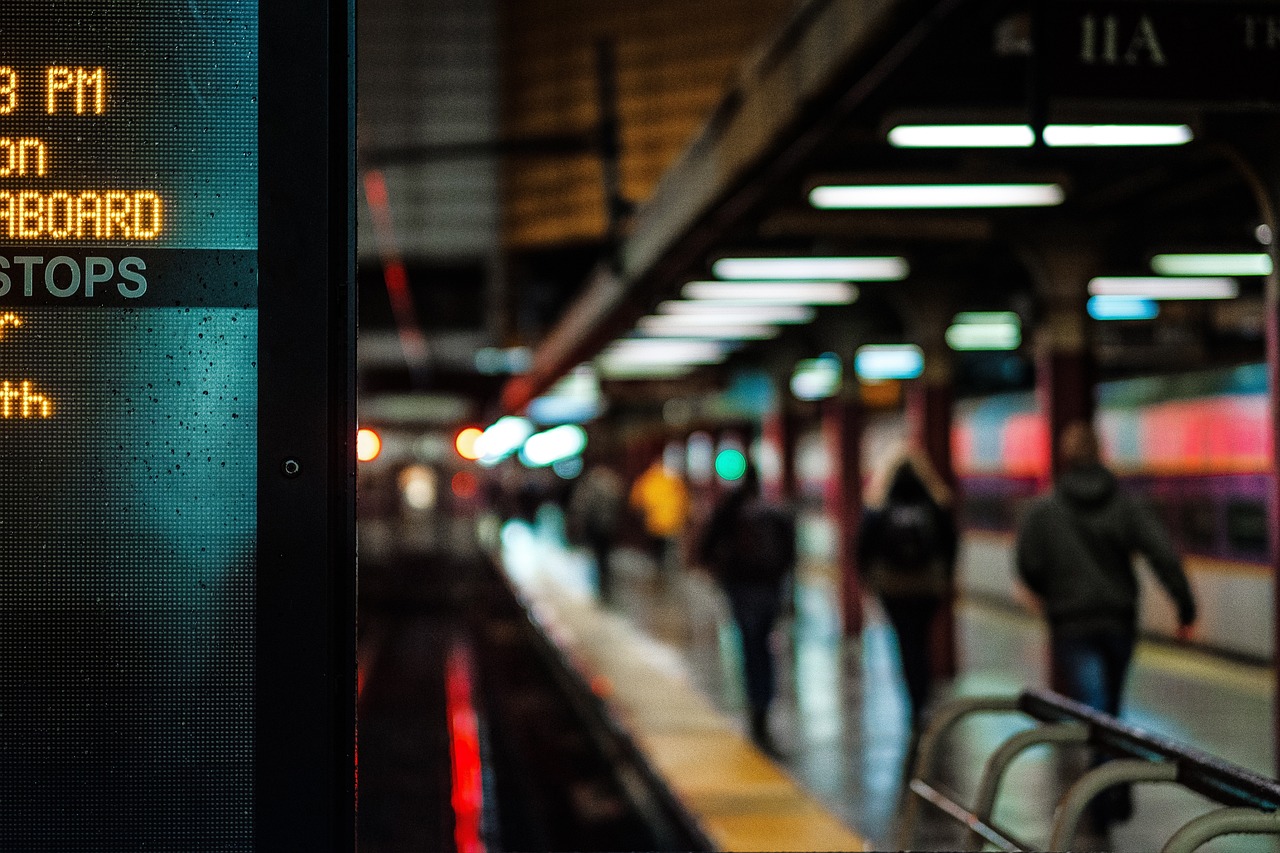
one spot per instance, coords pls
(1064, 387)
(781, 431)
(842, 431)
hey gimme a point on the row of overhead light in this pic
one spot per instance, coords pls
(752, 298)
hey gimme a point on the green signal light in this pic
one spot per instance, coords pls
(731, 465)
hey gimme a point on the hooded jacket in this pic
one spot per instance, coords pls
(1075, 551)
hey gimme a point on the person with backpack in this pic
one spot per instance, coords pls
(907, 552)
(749, 545)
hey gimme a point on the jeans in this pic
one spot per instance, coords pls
(756, 607)
(1091, 665)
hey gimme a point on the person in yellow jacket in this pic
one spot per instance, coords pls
(662, 499)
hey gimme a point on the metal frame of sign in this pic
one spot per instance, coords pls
(305, 693)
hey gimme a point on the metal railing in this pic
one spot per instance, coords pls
(1250, 802)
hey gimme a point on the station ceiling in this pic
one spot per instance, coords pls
(814, 105)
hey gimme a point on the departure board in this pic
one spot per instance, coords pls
(128, 423)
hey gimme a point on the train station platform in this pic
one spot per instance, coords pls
(840, 717)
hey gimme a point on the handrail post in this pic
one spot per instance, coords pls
(1227, 821)
(1097, 780)
(1060, 733)
(940, 722)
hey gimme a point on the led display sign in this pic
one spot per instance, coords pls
(129, 405)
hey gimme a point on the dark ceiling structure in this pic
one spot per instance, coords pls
(815, 107)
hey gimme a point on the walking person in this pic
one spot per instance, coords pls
(907, 553)
(1075, 549)
(750, 546)
(595, 514)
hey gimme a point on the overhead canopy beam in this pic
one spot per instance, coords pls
(782, 110)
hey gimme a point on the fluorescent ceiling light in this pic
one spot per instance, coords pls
(934, 196)
(1022, 136)
(1122, 308)
(962, 136)
(1115, 135)
(984, 336)
(888, 361)
(502, 438)
(717, 313)
(811, 269)
(551, 446)
(623, 370)
(660, 326)
(773, 292)
(1251, 263)
(651, 351)
(1155, 287)
(816, 378)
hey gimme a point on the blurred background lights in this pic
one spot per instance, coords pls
(888, 361)
(985, 330)
(1022, 136)
(465, 443)
(502, 439)
(1250, 263)
(934, 196)
(731, 464)
(773, 292)
(1122, 308)
(811, 269)
(1157, 287)
(567, 469)
(817, 378)
(553, 445)
(368, 445)
(418, 487)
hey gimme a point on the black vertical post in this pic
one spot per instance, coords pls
(305, 709)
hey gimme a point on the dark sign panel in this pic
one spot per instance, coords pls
(1206, 52)
(129, 406)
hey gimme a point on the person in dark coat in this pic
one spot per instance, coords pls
(750, 546)
(907, 553)
(1075, 549)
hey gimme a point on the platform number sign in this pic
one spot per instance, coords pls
(1157, 53)
(128, 423)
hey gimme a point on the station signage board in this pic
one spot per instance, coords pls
(1211, 52)
(131, 401)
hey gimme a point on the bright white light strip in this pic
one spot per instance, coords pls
(718, 313)
(660, 327)
(811, 269)
(1122, 308)
(984, 336)
(934, 196)
(773, 292)
(502, 438)
(648, 351)
(1022, 136)
(962, 136)
(1154, 287)
(548, 447)
(644, 371)
(1115, 135)
(1252, 263)
(988, 318)
(888, 361)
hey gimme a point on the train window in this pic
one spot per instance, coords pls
(1199, 523)
(1247, 528)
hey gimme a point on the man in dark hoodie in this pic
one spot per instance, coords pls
(1074, 551)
